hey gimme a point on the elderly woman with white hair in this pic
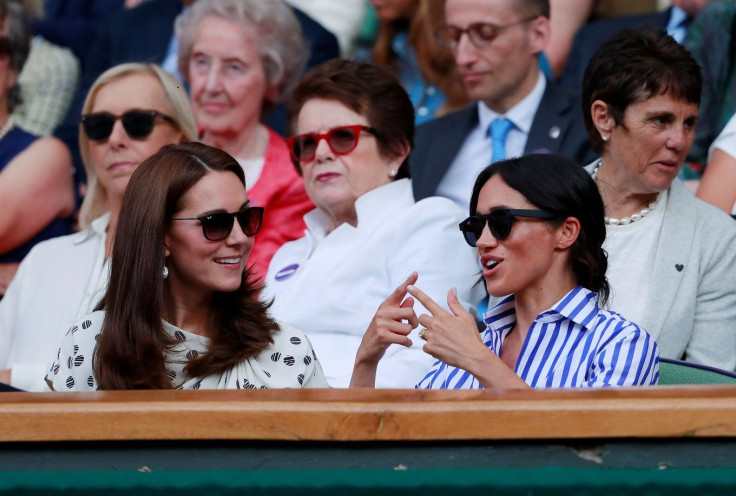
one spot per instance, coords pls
(240, 57)
(131, 111)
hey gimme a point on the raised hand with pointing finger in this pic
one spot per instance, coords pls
(453, 338)
(393, 322)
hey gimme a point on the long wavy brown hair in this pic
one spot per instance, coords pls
(435, 60)
(131, 350)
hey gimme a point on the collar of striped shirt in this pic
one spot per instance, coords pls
(579, 305)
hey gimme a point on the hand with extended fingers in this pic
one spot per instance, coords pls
(454, 339)
(393, 322)
(451, 336)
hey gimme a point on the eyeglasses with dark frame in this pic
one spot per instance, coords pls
(500, 222)
(341, 140)
(218, 225)
(138, 124)
(481, 34)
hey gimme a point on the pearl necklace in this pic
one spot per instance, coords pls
(7, 127)
(610, 221)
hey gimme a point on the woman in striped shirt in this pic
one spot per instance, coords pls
(537, 223)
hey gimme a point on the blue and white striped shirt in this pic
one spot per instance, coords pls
(573, 344)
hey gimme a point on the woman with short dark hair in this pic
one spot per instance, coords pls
(672, 263)
(537, 223)
(353, 128)
(181, 310)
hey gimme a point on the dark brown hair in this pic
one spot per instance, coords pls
(435, 60)
(368, 90)
(131, 351)
(633, 66)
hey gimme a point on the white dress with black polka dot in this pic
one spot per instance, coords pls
(289, 362)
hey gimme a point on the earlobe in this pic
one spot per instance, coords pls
(394, 164)
(567, 233)
(602, 118)
(541, 34)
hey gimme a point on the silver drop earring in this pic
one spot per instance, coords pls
(166, 272)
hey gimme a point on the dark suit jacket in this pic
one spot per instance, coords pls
(557, 127)
(73, 23)
(592, 35)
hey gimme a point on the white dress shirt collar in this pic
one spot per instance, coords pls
(97, 227)
(375, 205)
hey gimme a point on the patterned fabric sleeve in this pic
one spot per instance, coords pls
(630, 358)
(299, 351)
(72, 369)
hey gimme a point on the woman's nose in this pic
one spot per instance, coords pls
(678, 138)
(486, 240)
(212, 83)
(118, 136)
(323, 151)
(237, 236)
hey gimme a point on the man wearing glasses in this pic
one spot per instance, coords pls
(496, 45)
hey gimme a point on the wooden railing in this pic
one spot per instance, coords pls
(370, 415)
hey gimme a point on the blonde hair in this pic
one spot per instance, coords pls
(95, 201)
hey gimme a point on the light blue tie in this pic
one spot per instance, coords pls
(499, 129)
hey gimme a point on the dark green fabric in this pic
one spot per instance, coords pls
(674, 374)
(545, 480)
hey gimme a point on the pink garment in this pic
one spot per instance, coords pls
(280, 190)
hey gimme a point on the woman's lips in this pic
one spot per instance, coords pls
(232, 263)
(326, 176)
(213, 107)
(490, 266)
(121, 165)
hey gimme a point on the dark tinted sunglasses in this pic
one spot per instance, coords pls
(341, 140)
(137, 123)
(500, 222)
(219, 225)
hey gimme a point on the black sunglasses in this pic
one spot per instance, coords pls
(500, 222)
(219, 225)
(341, 140)
(137, 123)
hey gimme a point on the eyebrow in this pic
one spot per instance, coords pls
(244, 205)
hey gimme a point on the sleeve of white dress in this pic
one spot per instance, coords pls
(27, 376)
(9, 313)
(430, 243)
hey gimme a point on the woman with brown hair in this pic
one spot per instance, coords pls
(130, 112)
(199, 323)
(407, 43)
